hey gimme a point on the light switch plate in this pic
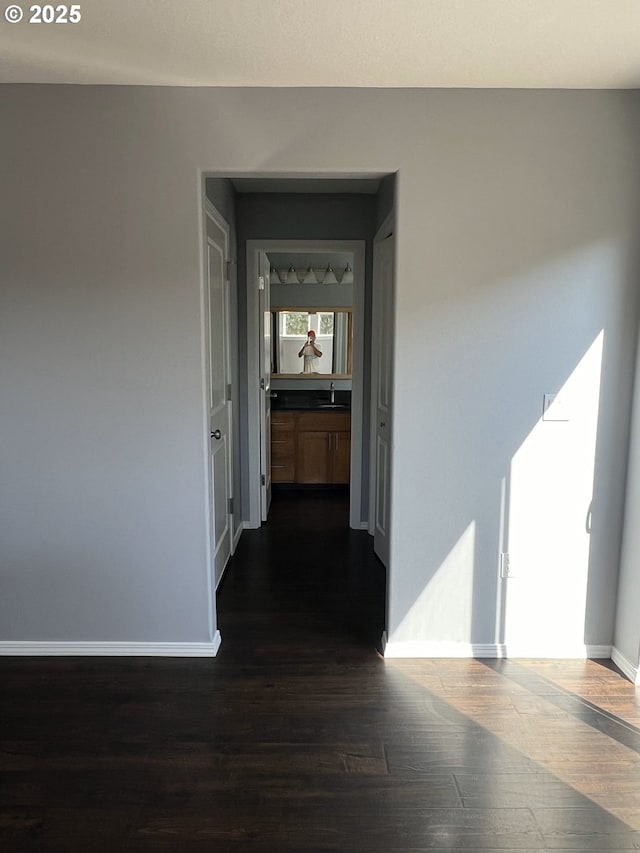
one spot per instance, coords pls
(554, 408)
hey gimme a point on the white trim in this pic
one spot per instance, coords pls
(598, 652)
(550, 650)
(42, 648)
(253, 388)
(358, 248)
(429, 649)
(217, 642)
(434, 649)
(203, 206)
(387, 227)
(357, 384)
(237, 536)
(623, 663)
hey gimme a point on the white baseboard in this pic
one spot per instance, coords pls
(599, 652)
(216, 642)
(42, 648)
(624, 664)
(578, 651)
(360, 525)
(431, 649)
(236, 536)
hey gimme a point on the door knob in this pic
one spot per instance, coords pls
(216, 434)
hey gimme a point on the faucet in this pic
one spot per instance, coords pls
(332, 395)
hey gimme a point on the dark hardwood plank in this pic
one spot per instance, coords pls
(300, 737)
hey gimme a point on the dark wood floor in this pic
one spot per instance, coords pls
(299, 736)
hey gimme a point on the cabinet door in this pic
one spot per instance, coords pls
(340, 457)
(314, 460)
(283, 470)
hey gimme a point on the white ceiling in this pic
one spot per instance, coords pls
(379, 43)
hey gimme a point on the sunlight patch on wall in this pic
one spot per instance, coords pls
(550, 493)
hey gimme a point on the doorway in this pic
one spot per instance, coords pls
(288, 213)
(337, 295)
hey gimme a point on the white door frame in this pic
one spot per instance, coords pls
(358, 248)
(265, 393)
(387, 227)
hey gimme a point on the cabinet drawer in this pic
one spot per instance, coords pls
(282, 433)
(283, 446)
(283, 471)
(282, 422)
(329, 421)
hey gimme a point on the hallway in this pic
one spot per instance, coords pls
(300, 737)
(303, 580)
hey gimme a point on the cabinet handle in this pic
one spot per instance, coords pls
(216, 434)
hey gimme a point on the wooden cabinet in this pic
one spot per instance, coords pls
(313, 457)
(341, 460)
(283, 447)
(310, 447)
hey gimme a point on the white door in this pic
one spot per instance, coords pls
(265, 384)
(382, 355)
(219, 391)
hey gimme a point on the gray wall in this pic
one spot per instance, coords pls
(516, 218)
(627, 632)
(300, 216)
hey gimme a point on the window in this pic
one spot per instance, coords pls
(333, 330)
(297, 324)
(294, 323)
